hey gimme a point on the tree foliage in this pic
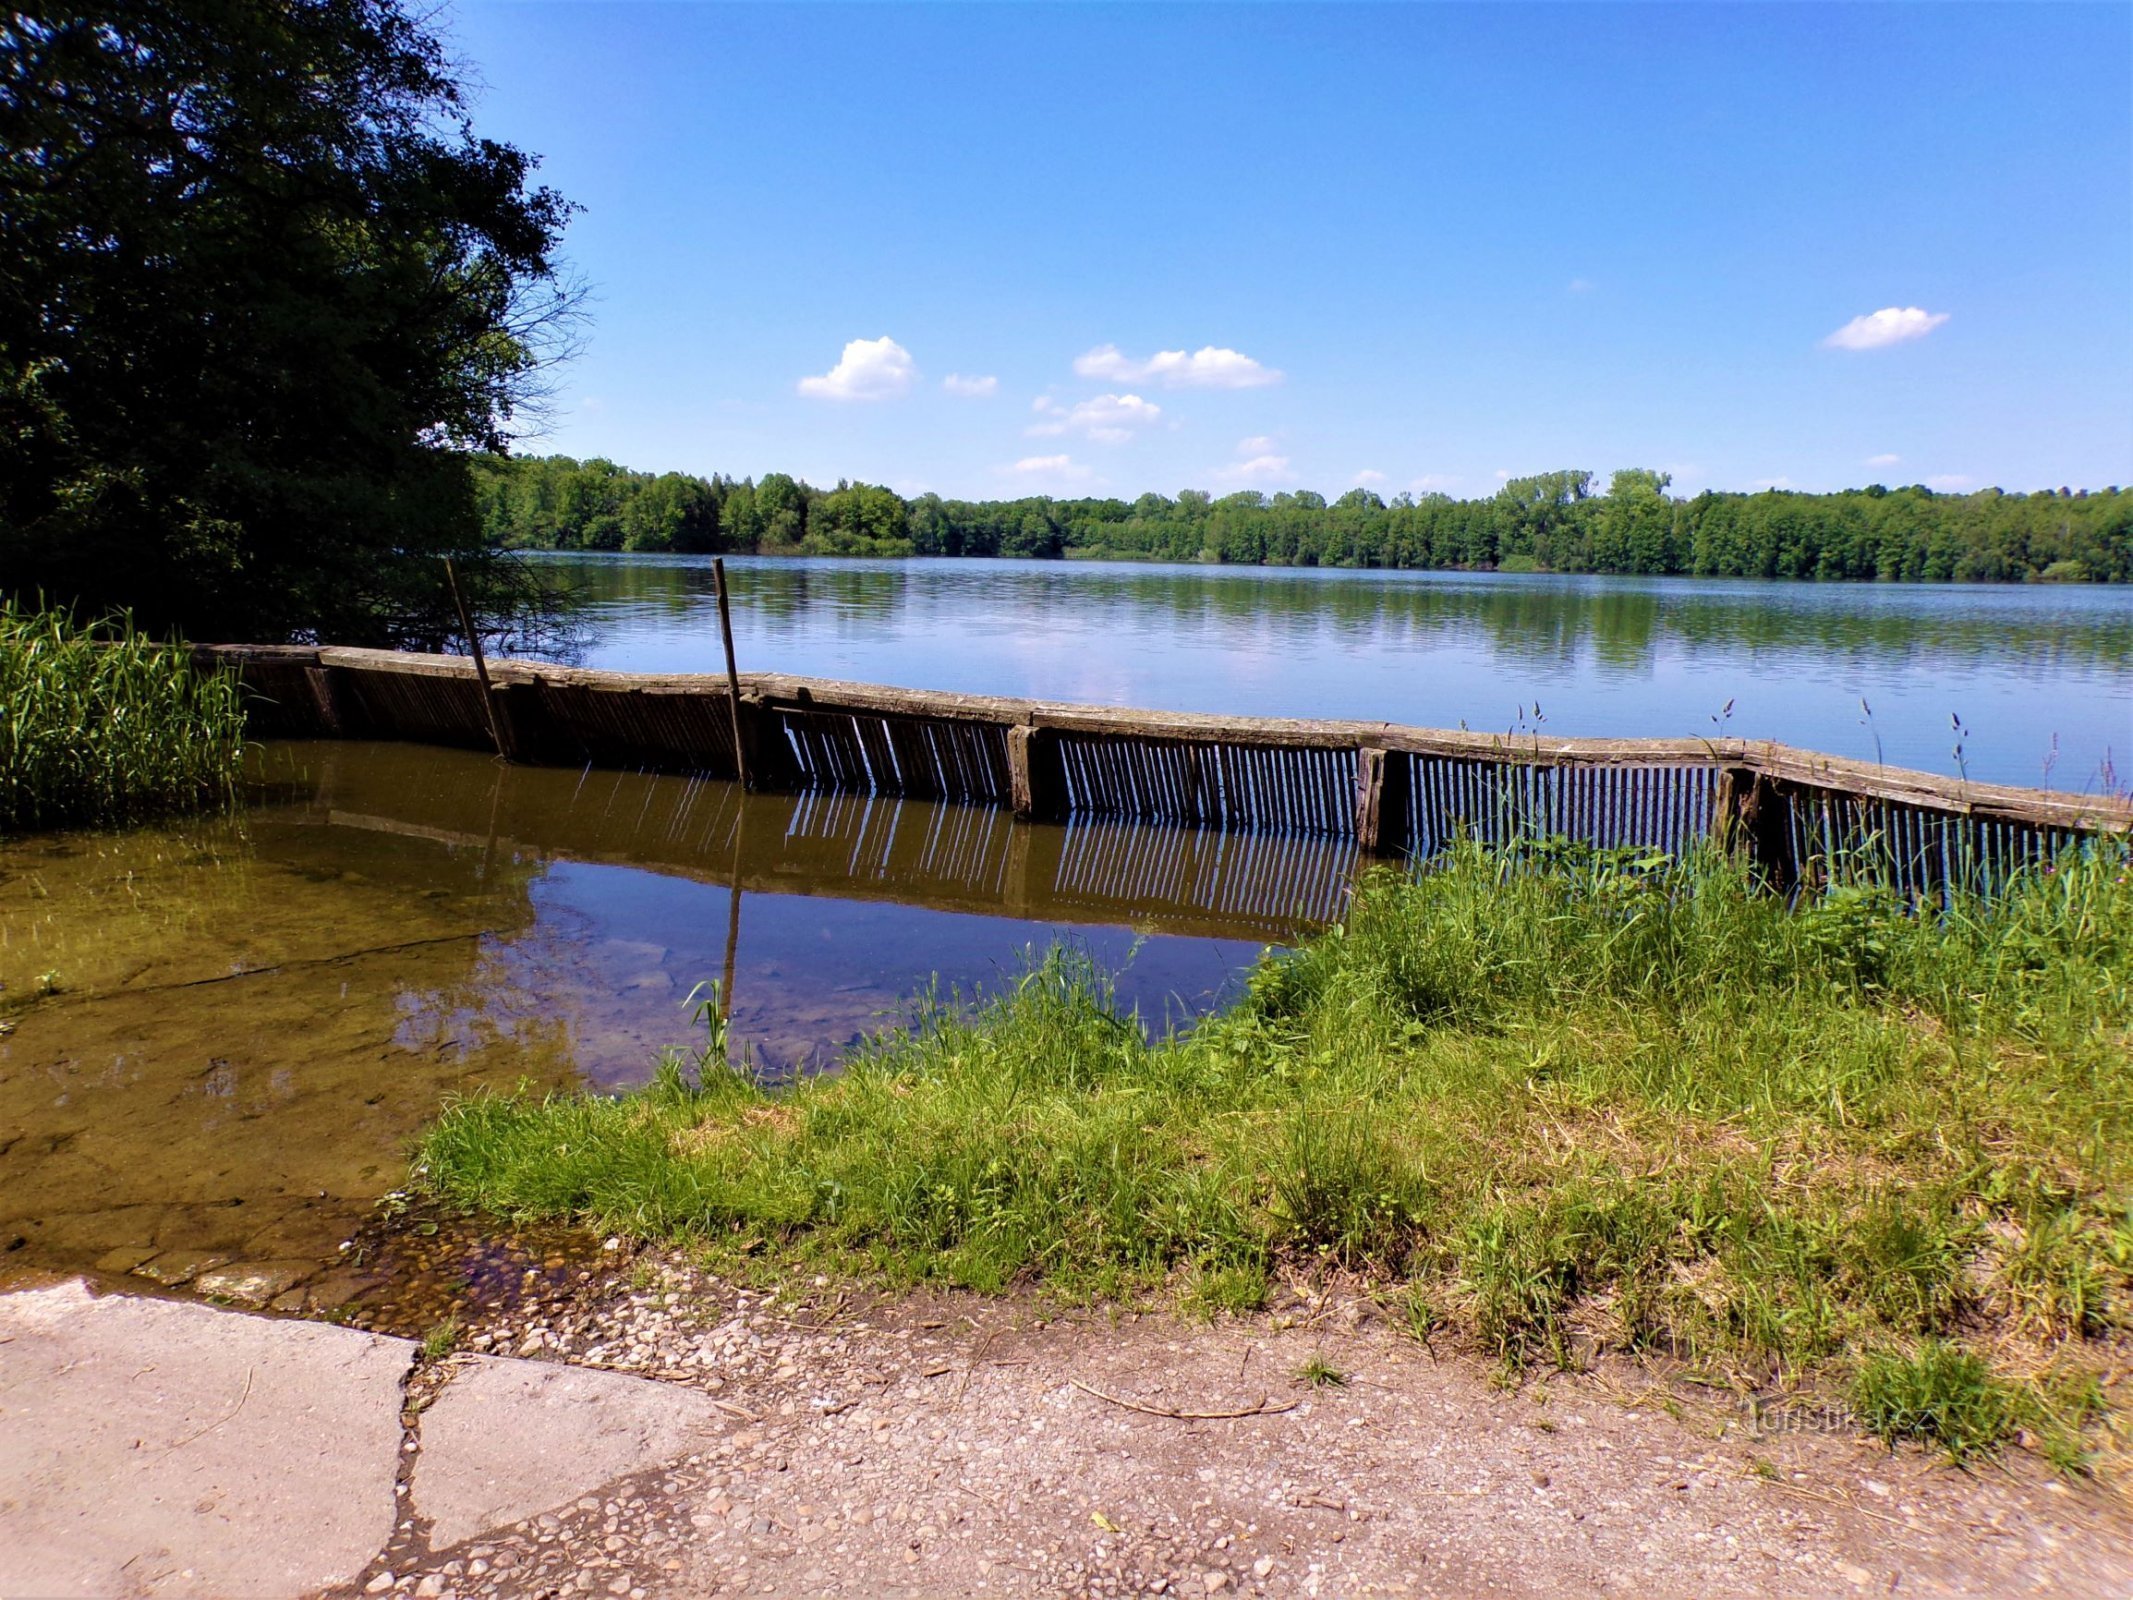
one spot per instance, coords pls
(1553, 521)
(262, 291)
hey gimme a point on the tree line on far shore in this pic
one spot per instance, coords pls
(1552, 521)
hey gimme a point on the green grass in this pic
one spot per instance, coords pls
(102, 725)
(1550, 1111)
(1319, 1373)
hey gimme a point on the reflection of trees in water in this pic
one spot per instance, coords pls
(1621, 623)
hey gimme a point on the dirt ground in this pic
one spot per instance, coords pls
(935, 1446)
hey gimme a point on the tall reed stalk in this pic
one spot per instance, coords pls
(100, 724)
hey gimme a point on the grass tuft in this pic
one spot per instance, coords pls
(1937, 1395)
(1319, 1373)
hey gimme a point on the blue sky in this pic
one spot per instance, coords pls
(994, 250)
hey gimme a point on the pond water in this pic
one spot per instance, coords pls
(221, 1034)
(2040, 675)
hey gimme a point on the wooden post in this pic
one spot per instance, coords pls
(1036, 773)
(1751, 817)
(326, 699)
(1384, 780)
(1020, 795)
(1369, 797)
(733, 677)
(481, 664)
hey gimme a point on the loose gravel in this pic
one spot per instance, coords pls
(943, 1445)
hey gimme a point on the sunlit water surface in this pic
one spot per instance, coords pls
(2040, 675)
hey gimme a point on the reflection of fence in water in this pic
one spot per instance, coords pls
(1237, 885)
(963, 851)
(1274, 883)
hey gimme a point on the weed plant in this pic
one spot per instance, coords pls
(1551, 1110)
(103, 725)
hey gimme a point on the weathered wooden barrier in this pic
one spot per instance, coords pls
(1800, 817)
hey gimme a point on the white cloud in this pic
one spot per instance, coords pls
(1884, 461)
(1259, 444)
(1062, 469)
(1774, 483)
(1108, 419)
(1433, 482)
(1890, 325)
(971, 387)
(871, 369)
(1370, 478)
(1950, 481)
(1581, 286)
(1211, 367)
(1258, 471)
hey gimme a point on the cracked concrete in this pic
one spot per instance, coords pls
(155, 1448)
(573, 1431)
(152, 1447)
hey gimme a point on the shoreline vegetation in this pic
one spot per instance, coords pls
(1543, 1111)
(101, 724)
(1549, 522)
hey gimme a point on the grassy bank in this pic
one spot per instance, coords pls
(1547, 1111)
(102, 724)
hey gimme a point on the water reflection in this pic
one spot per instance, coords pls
(821, 914)
(222, 1034)
(1626, 657)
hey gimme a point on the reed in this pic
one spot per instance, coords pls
(101, 725)
(1592, 1103)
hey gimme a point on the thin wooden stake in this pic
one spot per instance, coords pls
(481, 663)
(733, 677)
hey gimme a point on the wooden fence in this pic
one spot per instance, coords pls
(1388, 790)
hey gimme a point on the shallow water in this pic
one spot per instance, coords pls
(225, 1032)
(2041, 675)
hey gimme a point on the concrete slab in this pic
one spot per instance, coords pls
(154, 1448)
(507, 1440)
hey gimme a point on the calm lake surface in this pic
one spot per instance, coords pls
(2041, 675)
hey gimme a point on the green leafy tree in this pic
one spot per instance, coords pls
(1633, 531)
(781, 505)
(262, 290)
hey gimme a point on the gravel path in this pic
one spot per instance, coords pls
(958, 1446)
